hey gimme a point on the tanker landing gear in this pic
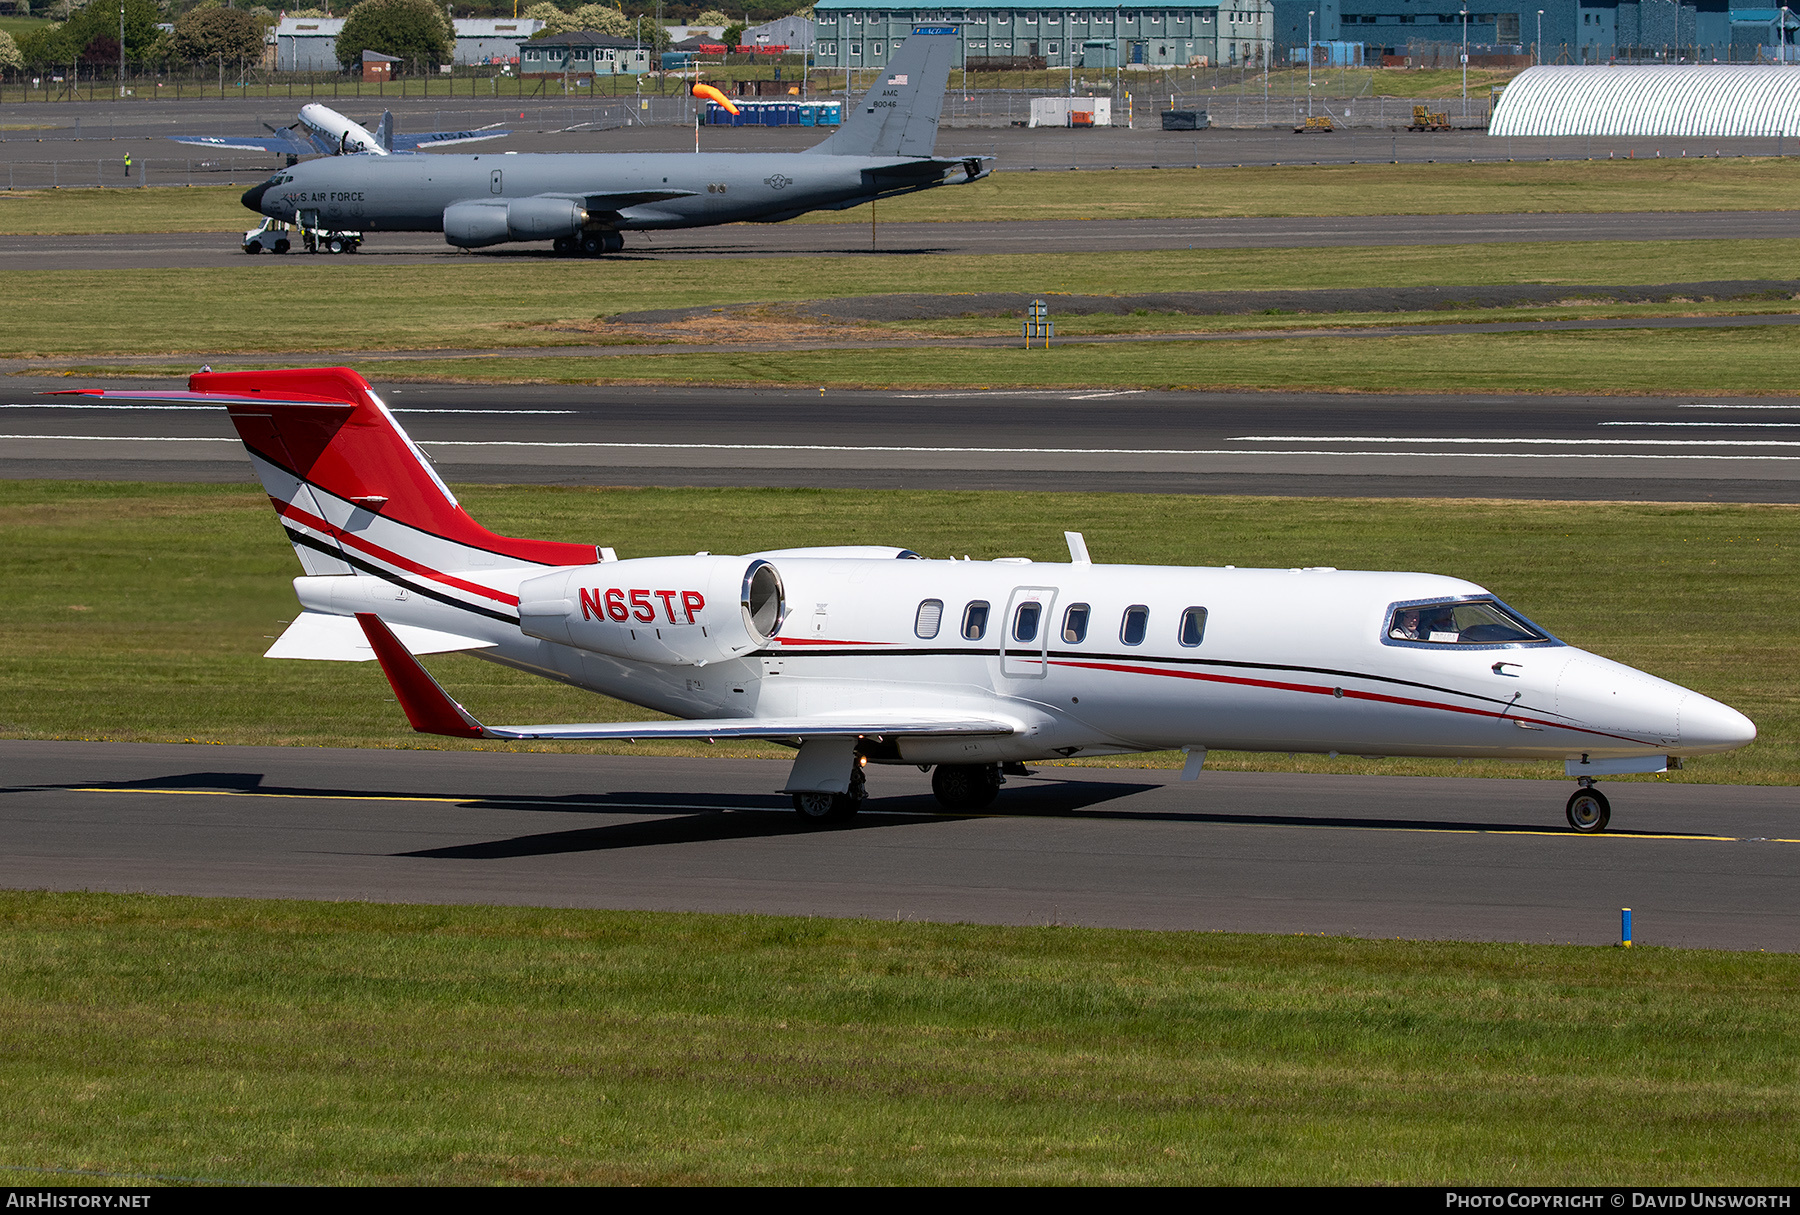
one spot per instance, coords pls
(588, 244)
(1589, 811)
(966, 787)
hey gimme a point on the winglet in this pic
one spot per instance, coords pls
(428, 707)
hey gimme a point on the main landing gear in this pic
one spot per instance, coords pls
(588, 244)
(966, 787)
(824, 809)
(1589, 811)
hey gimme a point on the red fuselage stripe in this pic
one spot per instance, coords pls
(288, 510)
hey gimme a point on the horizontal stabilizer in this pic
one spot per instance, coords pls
(431, 711)
(322, 637)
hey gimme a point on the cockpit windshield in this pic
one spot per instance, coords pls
(1465, 622)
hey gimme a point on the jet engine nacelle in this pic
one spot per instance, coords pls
(679, 611)
(470, 225)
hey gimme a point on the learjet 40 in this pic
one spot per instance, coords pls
(862, 655)
(583, 201)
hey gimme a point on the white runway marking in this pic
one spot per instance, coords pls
(1063, 451)
(1726, 425)
(1510, 442)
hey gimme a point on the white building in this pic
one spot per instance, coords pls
(795, 33)
(309, 44)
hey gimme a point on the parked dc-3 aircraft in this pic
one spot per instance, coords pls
(323, 131)
(583, 201)
(860, 655)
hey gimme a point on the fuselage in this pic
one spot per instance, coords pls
(1304, 660)
(411, 193)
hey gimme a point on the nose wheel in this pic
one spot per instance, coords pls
(1589, 811)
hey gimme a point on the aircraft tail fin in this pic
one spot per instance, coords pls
(354, 492)
(384, 131)
(899, 114)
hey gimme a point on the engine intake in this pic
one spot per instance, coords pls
(677, 611)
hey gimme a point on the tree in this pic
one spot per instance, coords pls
(217, 33)
(10, 59)
(712, 16)
(100, 20)
(733, 35)
(555, 20)
(602, 19)
(415, 31)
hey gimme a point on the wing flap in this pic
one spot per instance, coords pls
(431, 711)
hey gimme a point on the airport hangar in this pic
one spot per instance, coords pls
(1549, 31)
(1133, 34)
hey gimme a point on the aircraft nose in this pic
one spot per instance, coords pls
(254, 195)
(1707, 725)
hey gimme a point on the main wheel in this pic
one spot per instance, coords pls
(613, 242)
(562, 246)
(823, 809)
(592, 246)
(1589, 811)
(965, 786)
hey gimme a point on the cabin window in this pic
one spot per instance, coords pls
(1135, 625)
(1025, 621)
(1075, 622)
(1469, 622)
(974, 626)
(931, 615)
(1193, 627)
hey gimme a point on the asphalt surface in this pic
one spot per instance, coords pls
(1700, 865)
(202, 249)
(1325, 444)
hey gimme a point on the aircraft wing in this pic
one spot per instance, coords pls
(282, 143)
(431, 711)
(440, 139)
(602, 202)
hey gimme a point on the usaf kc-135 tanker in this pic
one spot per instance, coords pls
(584, 201)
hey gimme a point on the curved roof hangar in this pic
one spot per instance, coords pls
(1703, 100)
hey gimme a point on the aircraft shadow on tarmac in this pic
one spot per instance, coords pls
(675, 818)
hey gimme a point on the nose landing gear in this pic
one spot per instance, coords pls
(1588, 810)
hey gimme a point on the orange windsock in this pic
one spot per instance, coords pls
(711, 94)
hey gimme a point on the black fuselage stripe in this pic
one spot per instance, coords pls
(369, 567)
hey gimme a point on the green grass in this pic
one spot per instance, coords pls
(138, 612)
(281, 305)
(276, 1042)
(1768, 184)
(1692, 361)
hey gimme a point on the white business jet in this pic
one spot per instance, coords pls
(863, 655)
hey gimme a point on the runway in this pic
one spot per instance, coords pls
(1700, 865)
(218, 249)
(1308, 444)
